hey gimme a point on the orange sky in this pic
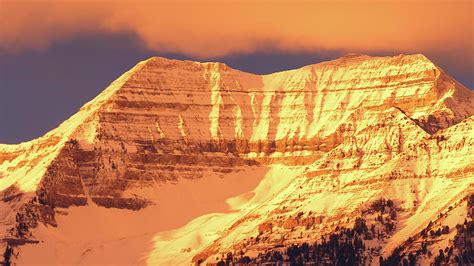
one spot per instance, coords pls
(204, 29)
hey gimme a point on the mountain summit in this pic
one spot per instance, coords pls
(181, 162)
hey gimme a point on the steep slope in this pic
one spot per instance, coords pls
(304, 149)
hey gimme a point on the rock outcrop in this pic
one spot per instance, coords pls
(332, 137)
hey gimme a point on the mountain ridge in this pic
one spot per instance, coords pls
(335, 126)
(347, 59)
(109, 93)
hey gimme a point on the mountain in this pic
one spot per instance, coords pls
(181, 162)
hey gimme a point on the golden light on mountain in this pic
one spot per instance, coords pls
(182, 162)
(236, 132)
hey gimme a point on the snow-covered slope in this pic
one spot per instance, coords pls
(226, 161)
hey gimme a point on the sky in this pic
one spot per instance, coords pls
(57, 55)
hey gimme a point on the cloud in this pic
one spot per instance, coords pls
(218, 28)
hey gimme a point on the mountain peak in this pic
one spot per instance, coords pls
(293, 149)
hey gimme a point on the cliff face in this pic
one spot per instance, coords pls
(322, 140)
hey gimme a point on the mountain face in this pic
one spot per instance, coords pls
(180, 162)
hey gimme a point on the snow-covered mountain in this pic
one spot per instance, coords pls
(181, 162)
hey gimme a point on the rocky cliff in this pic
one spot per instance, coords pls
(271, 161)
